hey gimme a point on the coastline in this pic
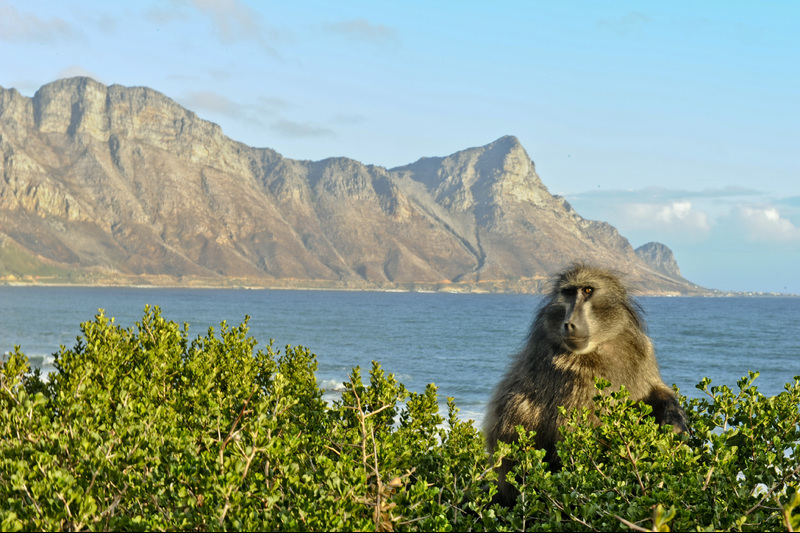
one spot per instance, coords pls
(522, 286)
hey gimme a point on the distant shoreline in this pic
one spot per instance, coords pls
(484, 287)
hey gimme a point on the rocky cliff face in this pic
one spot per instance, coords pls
(660, 258)
(115, 182)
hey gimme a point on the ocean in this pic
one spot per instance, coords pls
(460, 342)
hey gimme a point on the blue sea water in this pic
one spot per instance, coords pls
(460, 342)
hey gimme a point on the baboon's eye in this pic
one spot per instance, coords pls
(569, 291)
(587, 291)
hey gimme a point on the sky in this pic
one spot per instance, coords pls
(676, 122)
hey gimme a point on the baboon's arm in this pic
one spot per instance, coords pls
(666, 408)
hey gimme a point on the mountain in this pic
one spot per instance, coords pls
(112, 184)
(660, 258)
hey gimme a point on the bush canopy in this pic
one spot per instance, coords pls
(145, 429)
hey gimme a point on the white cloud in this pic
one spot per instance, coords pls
(348, 118)
(301, 129)
(724, 215)
(677, 216)
(274, 103)
(765, 224)
(257, 114)
(654, 214)
(235, 21)
(266, 112)
(232, 19)
(29, 27)
(213, 102)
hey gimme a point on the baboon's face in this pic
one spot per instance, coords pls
(590, 314)
(577, 326)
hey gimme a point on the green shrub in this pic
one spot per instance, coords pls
(145, 429)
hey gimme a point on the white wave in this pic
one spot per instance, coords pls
(331, 385)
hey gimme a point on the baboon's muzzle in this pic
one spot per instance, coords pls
(576, 328)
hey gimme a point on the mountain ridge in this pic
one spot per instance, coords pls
(116, 184)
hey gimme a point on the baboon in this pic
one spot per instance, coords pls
(586, 327)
